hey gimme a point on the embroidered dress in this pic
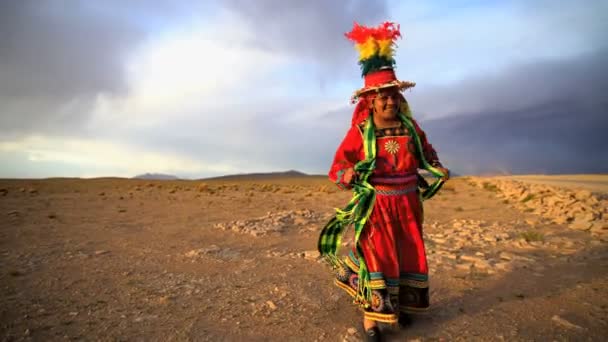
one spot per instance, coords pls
(391, 241)
(386, 272)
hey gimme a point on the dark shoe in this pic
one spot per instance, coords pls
(405, 320)
(373, 335)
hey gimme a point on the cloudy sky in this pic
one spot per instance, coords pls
(202, 88)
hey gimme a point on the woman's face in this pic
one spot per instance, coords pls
(386, 104)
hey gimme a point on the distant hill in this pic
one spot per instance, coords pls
(267, 175)
(156, 176)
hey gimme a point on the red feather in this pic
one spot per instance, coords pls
(360, 34)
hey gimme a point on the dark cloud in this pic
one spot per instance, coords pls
(549, 117)
(312, 30)
(55, 58)
(579, 79)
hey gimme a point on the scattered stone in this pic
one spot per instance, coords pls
(215, 251)
(275, 222)
(202, 251)
(580, 208)
(101, 252)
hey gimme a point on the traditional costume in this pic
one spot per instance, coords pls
(386, 272)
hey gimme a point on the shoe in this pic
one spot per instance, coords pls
(405, 320)
(373, 335)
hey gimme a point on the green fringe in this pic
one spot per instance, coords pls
(375, 63)
(434, 188)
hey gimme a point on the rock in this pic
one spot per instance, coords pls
(3, 192)
(564, 323)
(482, 265)
(311, 255)
(582, 195)
(469, 258)
(505, 256)
(101, 252)
(599, 227)
(271, 305)
(352, 331)
(585, 217)
(580, 225)
(202, 251)
(464, 266)
(503, 266)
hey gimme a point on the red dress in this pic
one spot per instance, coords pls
(391, 241)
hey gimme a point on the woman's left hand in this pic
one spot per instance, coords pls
(445, 172)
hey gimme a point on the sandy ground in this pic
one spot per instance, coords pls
(135, 260)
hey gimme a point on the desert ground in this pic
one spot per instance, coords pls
(235, 260)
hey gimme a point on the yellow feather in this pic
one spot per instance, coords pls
(385, 48)
(367, 49)
(372, 47)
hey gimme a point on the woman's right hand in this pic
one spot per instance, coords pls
(349, 176)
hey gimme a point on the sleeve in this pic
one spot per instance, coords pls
(429, 152)
(346, 157)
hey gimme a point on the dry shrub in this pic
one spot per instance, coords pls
(203, 187)
(490, 187)
(286, 190)
(327, 189)
(531, 235)
(268, 188)
(527, 198)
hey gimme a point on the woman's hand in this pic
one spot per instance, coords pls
(445, 172)
(349, 176)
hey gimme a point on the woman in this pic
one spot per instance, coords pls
(379, 158)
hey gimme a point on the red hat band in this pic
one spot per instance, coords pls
(380, 77)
